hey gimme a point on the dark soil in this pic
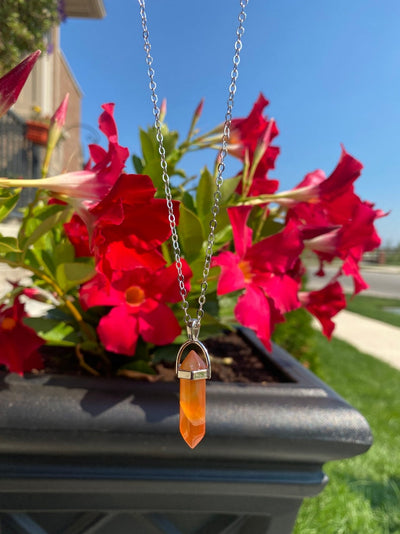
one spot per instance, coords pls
(233, 359)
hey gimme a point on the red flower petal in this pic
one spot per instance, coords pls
(231, 277)
(99, 292)
(78, 235)
(119, 257)
(325, 304)
(350, 267)
(20, 343)
(107, 123)
(282, 289)
(119, 331)
(277, 253)
(346, 172)
(159, 326)
(165, 284)
(254, 311)
(242, 234)
(97, 153)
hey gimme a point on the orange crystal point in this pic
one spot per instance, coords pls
(192, 416)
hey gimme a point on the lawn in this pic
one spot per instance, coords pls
(363, 495)
(375, 308)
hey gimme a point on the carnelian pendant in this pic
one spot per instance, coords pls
(192, 416)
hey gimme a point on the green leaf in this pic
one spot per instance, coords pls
(197, 267)
(8, 244)
(170, 140)
(224, 229)
(140, 366)
(268, 227)
(223, 236)
(32, 260)
(137, 164)
(205, 196)
(47, 260)
(227, 304)
(54, 332)
(8, 201)
(228, 188)
(188, 201)
(153, 169)
(190, 233)
(271, 227)
(211, 325)
(70, 275)
(179, 172)
(47, 224)
(166, 353)
(64, 252)
(151, 155)
(149, 146)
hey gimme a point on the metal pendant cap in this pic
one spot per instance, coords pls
(200, 349)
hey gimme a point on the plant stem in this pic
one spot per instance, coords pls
(82, 362)
(260, 225)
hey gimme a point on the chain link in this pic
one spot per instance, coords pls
(220, 167)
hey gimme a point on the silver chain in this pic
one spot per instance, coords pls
(220, 168)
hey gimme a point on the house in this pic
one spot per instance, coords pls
(47, 85)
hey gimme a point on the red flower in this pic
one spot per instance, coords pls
(123, 219)
(109, 164)
(138, 299)
(268, 271)
(246, 132)
(325, 304)
(128, 221)
(337, 222)
(19, 343)
(339, 183)
(12, 83)
(124, 236)
(249, 140)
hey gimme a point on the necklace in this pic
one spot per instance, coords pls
(195, 367)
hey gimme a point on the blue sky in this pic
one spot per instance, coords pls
(331, 71)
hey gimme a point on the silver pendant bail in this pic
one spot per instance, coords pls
(193, 329)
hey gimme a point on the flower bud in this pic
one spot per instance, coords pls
(163, 109)
(58, 119)
(199, 109)
(57, 122)
(12, 83)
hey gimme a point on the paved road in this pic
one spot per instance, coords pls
(384, 281)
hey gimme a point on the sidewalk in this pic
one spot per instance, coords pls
(373, 337)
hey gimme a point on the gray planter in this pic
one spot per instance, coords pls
(101, 456)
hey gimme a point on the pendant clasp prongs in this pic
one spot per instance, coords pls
(193, 330)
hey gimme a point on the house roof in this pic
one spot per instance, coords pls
(92, 9)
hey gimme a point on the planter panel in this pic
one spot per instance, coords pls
(113, 447)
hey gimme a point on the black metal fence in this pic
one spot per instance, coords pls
(19, 157)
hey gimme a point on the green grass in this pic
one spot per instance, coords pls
(363, 494)
(374, 307)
